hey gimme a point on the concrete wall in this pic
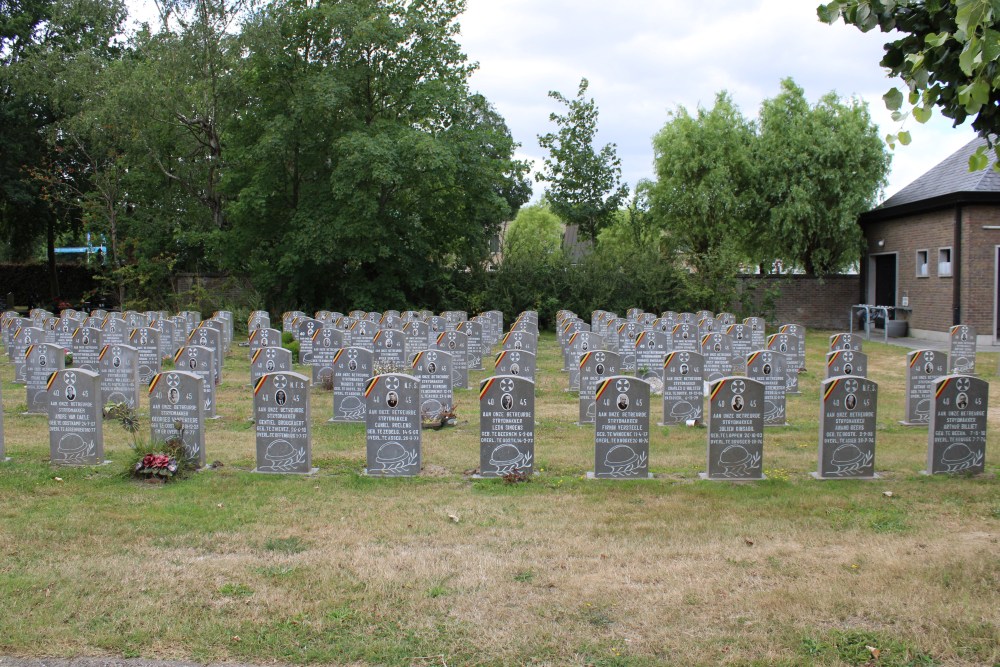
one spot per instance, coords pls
(816, 303)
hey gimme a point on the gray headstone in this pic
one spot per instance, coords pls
(683, 388)
(923, 368)
(515, 362)
(742, 342)
(392, 425)
(685, 338)
(281, 414)
(305, 328)
(735, 430)
(24, 338)
(787, 344)
(168, 338)
(326, 342)
(848, 409)
(204, 336)
(962, 358)
(352, 366)
(259, 319)
(40, 361)
(118, 366)
(506, 425)
(176, 399)
(621, 432)
(146, 342)
(362, 333)
(520, 340)
(651, 348)
(456, 343)
(269, 360)
(474, 331)
(417, 335)
(846, 362)
(770, 368)
(76, 431)
(577, 345)
(717, 349)
(65, 326)
(115, 331)
(956, 439)
(628, 333)
(389, 347)
(433, 369)
(758, 332)
(264, 338)
(845, 341)
(87, 346)
(200, 360)
(799, 332)
(595, 367)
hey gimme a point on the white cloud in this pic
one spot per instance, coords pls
(643, 59)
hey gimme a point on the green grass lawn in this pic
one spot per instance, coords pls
(339, 568)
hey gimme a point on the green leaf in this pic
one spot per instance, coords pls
(979, 160)
(893, 99)
(890, 139)
(922, 114)
(898, 116)
(828, 13)
(936, 39)
(971, 56)
(904, 138)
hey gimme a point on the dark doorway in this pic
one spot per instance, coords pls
(885, 280)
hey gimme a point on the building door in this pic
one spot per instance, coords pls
(884, 279)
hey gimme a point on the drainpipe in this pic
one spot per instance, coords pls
(956, 269)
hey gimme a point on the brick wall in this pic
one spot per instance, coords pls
(816, 303)
(220, 289)
(979, 247)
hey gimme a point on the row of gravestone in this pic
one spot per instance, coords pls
(735, 436)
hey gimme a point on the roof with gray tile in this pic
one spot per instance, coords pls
(948, 178)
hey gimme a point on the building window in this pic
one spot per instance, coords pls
(923, 261)
(944, 262)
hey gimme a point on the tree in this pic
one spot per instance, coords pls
(948, 57)
(818, 169)
(534, 235)
(704, 194)
(585, 184)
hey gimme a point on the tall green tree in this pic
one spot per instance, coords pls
(818, 168)
(584, 183)
(536, 234)
(948, 56)
(704, 195)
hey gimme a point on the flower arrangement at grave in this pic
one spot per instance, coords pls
(437, 419)
(152, 460)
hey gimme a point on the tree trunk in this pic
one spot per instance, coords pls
(50, 234)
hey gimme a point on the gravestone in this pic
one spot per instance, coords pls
(770, 368)
(621, 431)
(735, 430)
(362, 333)
(962, 358)
(577, 345)
(118, 366)
(115, 330)
(848, 408)
(846, 362)
(176, 399)
(474, 331)
(24, 338)
(845, 341)
(417, 335)
(685, 338)
(65, 326)
(717, 350)
(260, 338)
(739, 334)
(392, 425)
(520, 340)
(40, 361)
(628, 333)
(200, 360)
(76, 429)
(651, 347)
(923, 368)
(506, 426)
(259, 319)
(326, 341)
(515, 362)
(758, 332)
(281, 416)
(305, 328)
(788, 345)
(204, 336)
(389, 348)
(595, 367)
(683, 388)
(219, 326)
(269, 360)
(456, 343)
(146, 342)
(799, 356)
(433, 369)
(87, 346)
(352, 366)
(956, 439)
(168, 337)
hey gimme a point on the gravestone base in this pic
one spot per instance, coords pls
(783, 425)
(367, 473)
(690, 423)
(312, 471)
(213, 418)
(6, 459)
(591, 475)
(534, 474)
(906, 423)
(976, 475)
(105, 462)
(704, 476)
(815, 475)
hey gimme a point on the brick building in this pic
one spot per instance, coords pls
(933, 250)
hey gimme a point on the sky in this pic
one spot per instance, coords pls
(646, 58)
